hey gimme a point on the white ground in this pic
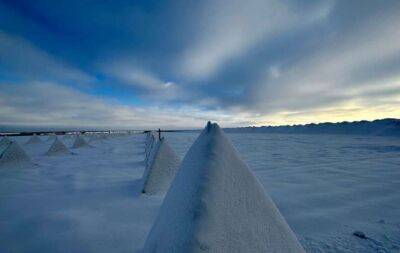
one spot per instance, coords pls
(325, 186)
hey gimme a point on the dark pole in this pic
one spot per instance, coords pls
(208, 126)
(159, 134)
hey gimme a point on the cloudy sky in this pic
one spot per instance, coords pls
(177, 64)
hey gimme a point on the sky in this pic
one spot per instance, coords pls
(176, 64)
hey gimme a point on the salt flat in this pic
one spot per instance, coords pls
(326, 187)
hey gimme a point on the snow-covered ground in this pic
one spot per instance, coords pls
(326, 187)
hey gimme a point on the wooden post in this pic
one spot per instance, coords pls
(159, 134)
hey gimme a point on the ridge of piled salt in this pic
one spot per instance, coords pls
(161, 169)
(216, 204)
(150, 145)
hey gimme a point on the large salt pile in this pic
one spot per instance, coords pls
(13, 153)
(150, 144)
(161, 170)
(148, 141)
(215, 204)
(80, 142)
(58, 148)
(34, 140)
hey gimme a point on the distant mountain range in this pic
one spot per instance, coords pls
(381, 127)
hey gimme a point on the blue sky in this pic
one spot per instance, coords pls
(177, 64)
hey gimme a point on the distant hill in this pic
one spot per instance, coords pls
(381, 127)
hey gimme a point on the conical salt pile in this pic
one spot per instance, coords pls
(103, 136)
(58, 148)
(51, 138)
(34, 140)
(97, 137)
(216, 204)
(4, 143)
(93, 137)
(67, 137)
(150, 144)
(148, 140)
(13, 153)
(161, 170)
(80, 142)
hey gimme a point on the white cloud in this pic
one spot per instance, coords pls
(335, 72)
(154, 88)
(229, 28)
(41, 104)
(133, 75)
(24, 59)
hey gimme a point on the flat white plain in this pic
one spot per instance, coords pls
(326, 187)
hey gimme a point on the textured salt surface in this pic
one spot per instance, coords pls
(325, 186)
(161, 170)
(89, 202)
(149, 145)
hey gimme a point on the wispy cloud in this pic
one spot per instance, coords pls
(153, 87)
(23, 59)
(40, 104)
(339, 68)
(230, 28)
